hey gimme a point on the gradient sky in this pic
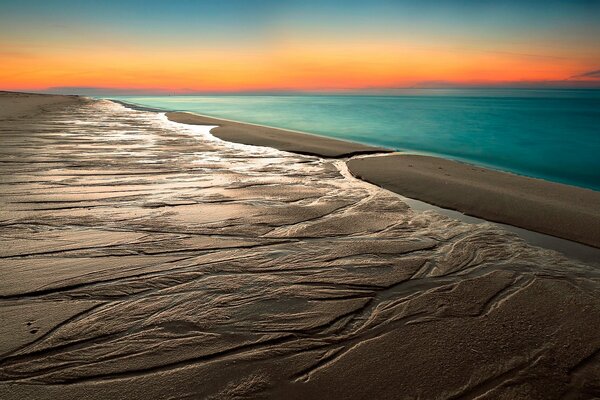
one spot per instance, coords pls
(232, 45)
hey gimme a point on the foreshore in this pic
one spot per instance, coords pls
(145, 259)
(563, 211)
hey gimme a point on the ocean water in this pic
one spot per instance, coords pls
(548, 134)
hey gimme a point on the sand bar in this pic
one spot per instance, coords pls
(143, 259)
(560, 210)
(281, 139)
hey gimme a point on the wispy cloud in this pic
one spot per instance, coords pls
(590, 74)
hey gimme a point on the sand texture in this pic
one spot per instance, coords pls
(15, 105)
(559, 210)
(257, 135)
(145, 259)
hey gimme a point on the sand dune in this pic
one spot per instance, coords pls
(144, 259)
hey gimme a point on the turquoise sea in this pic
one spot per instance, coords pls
(548, 134)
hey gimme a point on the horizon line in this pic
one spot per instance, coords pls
(99, 90)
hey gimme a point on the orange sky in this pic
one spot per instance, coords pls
(310, 55)
(305, 66)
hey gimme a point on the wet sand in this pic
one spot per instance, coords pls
(141, 258)
(559, 210)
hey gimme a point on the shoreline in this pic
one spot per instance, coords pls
(550, 208)
(280, 139)
(267, 136)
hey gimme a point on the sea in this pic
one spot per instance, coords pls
(550, 134)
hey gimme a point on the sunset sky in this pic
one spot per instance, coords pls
(236, 46)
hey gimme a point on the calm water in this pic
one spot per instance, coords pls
(549, 134)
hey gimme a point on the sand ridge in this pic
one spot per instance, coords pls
(281, 139)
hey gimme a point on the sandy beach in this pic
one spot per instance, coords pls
(143, 258)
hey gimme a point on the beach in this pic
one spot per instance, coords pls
(144, 257)
(551, 208)
(551, 135)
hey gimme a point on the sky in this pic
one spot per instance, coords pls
(179, 47)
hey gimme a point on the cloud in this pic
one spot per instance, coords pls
(590, 74)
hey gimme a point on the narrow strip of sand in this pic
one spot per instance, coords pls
(282, 139)
(559, 210)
